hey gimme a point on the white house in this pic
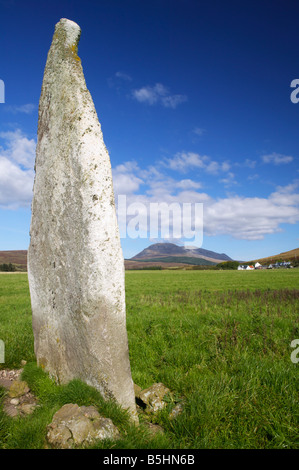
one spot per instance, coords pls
(244, 267)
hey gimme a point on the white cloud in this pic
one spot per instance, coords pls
(277, 158)
(19, 148)
(247, 218)
(16, 169)
(15, 185)
(183, 161)
(125, 180)
(145, 95)
(251, 218)
(188, 184)
(158, 94)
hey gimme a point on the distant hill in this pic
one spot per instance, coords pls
(17, 257)
(180, 254)
(290, 255)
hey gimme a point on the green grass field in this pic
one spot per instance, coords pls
(220, 340)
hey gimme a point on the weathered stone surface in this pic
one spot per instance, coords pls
(75, 261)
(18, 388)
(154, 428)
(73, 426)
(153, 397)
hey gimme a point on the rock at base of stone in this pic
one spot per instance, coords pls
(153, 397)
(18, 388)
(73, 426)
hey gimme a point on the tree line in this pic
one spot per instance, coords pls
(7, 267)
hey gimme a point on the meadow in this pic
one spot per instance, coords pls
(219, 340)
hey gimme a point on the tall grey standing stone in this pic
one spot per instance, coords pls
(75, 261)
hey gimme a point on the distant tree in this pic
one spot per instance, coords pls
(152, 268)
(228, 265)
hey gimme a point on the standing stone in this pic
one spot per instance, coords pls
(75, 261)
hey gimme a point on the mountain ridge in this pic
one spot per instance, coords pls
(170, 249)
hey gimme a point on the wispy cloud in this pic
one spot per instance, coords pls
(28, 108)
(229, 180)
(247, 163)
(120, 80)
(253, 177)
(188, 161)
(277, 158)
(250, 163)
(172, 101)
(199, 131)
(158, 94)
(123, 76)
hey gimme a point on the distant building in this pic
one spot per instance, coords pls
(245, 267)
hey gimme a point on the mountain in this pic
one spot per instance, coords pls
(160, 251)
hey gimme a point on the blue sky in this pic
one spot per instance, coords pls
(194, 100)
